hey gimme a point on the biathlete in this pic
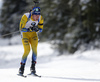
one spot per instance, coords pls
(30, 24)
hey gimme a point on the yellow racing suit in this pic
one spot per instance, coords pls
(29, 38)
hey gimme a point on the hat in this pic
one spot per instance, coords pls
(36, 11)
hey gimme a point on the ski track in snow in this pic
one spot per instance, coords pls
(80, 67)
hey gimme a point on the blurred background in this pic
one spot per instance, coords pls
(69, 24)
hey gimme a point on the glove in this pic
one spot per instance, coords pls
(29, 29)
(35, 28)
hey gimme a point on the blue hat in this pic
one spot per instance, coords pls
(36, 11)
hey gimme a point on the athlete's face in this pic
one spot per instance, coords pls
(35, 17)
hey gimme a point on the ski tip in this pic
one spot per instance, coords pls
(40, 76)
(22, 75)
(35, 75)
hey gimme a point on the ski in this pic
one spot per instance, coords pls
(34, 75)
(22, 75)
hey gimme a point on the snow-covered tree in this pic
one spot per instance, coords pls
(69, 22)
(11, 15)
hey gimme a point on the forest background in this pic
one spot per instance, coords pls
(69, 24)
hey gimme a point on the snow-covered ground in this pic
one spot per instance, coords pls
(79, 67)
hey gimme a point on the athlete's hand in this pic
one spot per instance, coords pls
(36, 29)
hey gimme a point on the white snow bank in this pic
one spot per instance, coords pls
(80, 67)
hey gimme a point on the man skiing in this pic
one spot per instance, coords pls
(30, 24)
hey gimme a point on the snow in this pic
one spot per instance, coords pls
(77, 67)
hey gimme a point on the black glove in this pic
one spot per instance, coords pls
(29, 29)
(35, 28)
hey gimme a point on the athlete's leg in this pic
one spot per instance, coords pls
(26, 45)
(34, 43)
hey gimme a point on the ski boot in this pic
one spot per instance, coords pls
(32, 68)
(21, 69)
(33, 71)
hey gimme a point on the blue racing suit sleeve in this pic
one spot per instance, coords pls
(40, 30)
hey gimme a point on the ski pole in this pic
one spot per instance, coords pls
(9, 34)
(38, 37)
